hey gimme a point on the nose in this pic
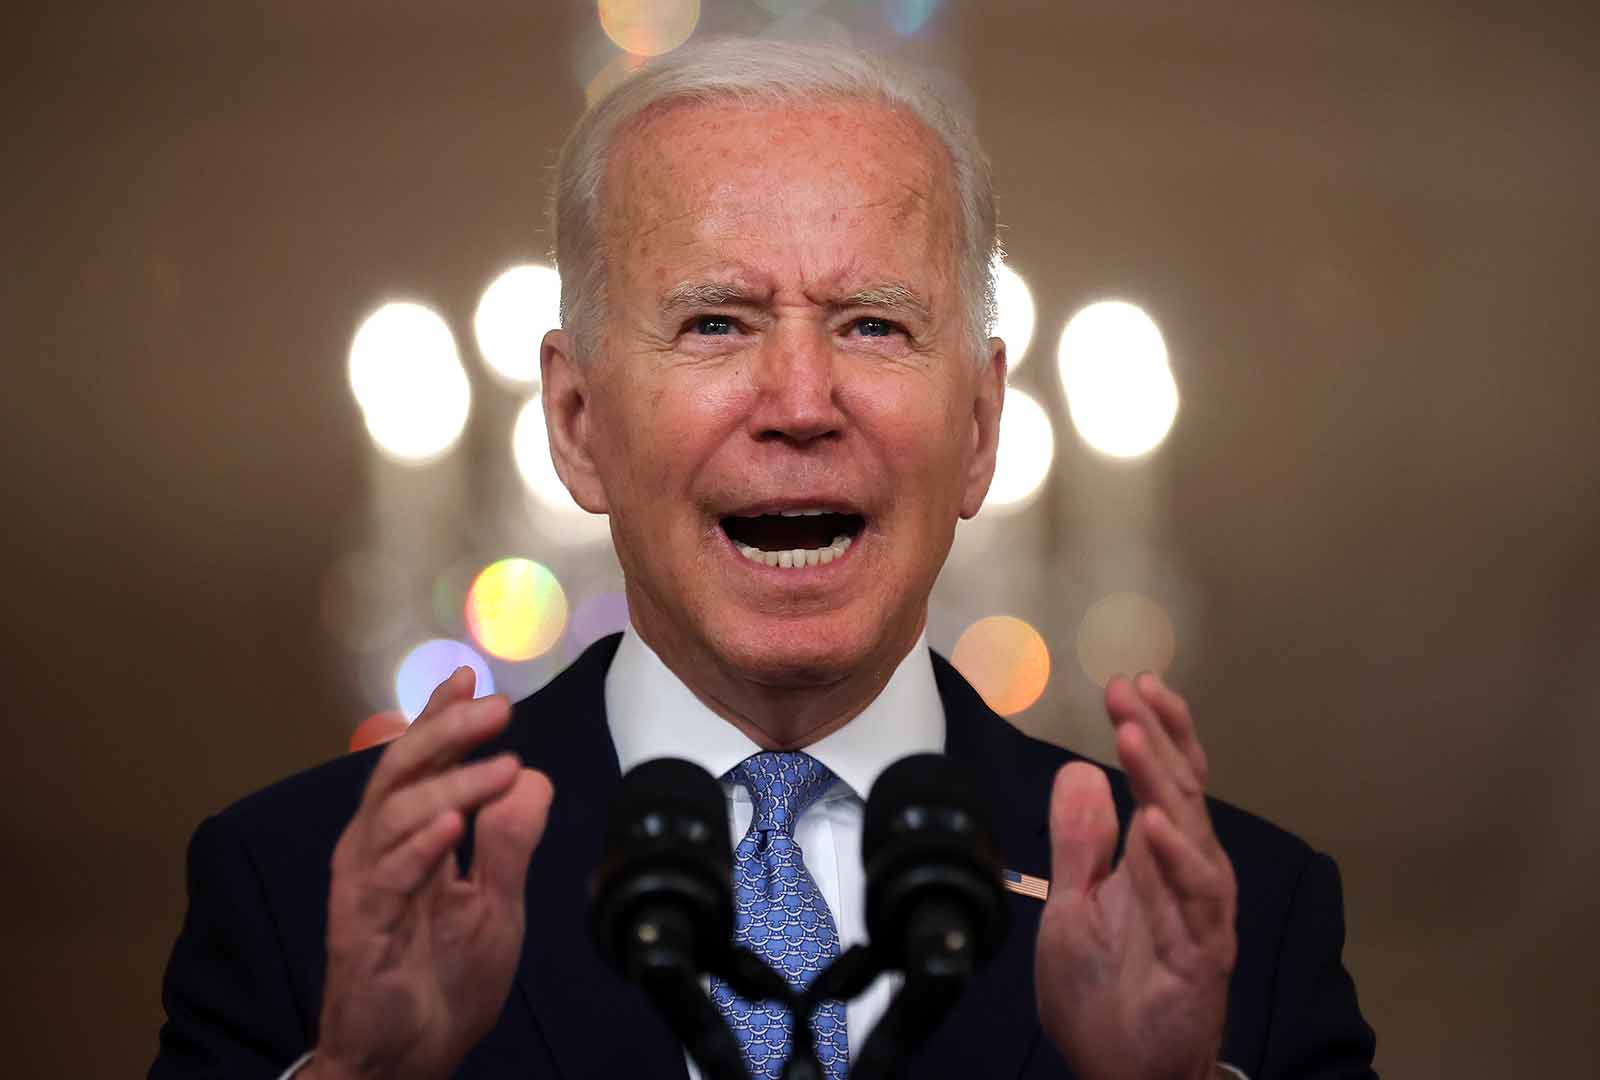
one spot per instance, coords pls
(796, 399)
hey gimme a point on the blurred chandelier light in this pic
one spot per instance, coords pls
(1014, 314)
(512, 317)
(516, 609)
(1006, 661)
(909, 16)
(1023, 458)
(530, 448)
(1119, 389)
(1125, 632)
(407, 377)
(649, 27)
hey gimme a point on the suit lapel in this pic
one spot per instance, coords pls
(594, 1024)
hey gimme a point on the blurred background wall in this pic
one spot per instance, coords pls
(1368, 547)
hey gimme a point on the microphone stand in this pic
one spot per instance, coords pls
(938, 963)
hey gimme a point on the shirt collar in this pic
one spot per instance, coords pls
(653, 714)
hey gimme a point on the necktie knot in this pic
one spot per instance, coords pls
(783, 785)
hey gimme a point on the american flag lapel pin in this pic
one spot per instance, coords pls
(1026, 884)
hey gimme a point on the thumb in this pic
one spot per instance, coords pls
(508, 830)
(1083, 829)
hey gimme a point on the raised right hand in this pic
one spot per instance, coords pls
(420, 956)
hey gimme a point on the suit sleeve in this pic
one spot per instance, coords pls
(1316, 1029)
(230, 1010)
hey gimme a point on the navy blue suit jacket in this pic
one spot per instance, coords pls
(243, 989)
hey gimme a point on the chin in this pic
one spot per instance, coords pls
(802, 652)
(795, 652)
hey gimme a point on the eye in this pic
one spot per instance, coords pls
(874, 327)
(711, 325)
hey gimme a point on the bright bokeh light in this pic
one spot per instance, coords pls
(516, 609)
(407, 377)
(1023, 458)
(909, 16)
(1125, 633)
(430, 664)
(1014, 315)
(1120, 391)
(512, 317)
(594, 618)
(530, 448)
(649, 27)
(1006, 660)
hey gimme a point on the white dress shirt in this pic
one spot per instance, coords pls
(653, 714)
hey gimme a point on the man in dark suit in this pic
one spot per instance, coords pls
(774, 375)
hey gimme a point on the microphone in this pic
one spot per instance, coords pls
(662, 903)
(935, 906)
(663, 893)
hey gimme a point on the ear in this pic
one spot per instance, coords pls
(568, 420)
(990, 396)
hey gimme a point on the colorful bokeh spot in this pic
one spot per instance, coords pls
(649, 27)
(378, 729)
(516, 609)
(1125, 632)
(1006, 661)
(909, 16)
(430, 664)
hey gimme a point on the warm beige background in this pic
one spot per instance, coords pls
(1368, 230)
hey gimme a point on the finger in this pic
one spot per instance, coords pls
(1154, 782)
(1083, 829)
(459, 685)
(1201, 884)
(1173, 712)
(1126, 705)
(463, 789)
(508, 830)
(1157, 904)
(442, 742)
(411, 865)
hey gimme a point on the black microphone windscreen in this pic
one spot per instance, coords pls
(927, 841)
(666, 791)
(913, 787)
(666, 855)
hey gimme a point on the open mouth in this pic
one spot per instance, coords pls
(793, 538)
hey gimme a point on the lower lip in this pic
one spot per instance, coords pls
(797, 574)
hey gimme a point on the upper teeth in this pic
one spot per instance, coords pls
(797, 557)
(802, 513)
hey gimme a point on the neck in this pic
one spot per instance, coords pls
(787, 715)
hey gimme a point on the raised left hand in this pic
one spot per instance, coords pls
(1132, 964)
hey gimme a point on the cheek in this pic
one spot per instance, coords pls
(660, 433)
(927, 437)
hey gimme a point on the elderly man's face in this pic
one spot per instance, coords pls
(785, 377)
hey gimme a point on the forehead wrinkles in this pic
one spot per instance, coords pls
(699, 164)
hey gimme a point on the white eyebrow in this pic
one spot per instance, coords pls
(706, 294)
(891, 295)
(888, 296)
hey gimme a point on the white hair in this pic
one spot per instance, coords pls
(751, 71)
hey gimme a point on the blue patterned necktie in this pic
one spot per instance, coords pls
(780, 915)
